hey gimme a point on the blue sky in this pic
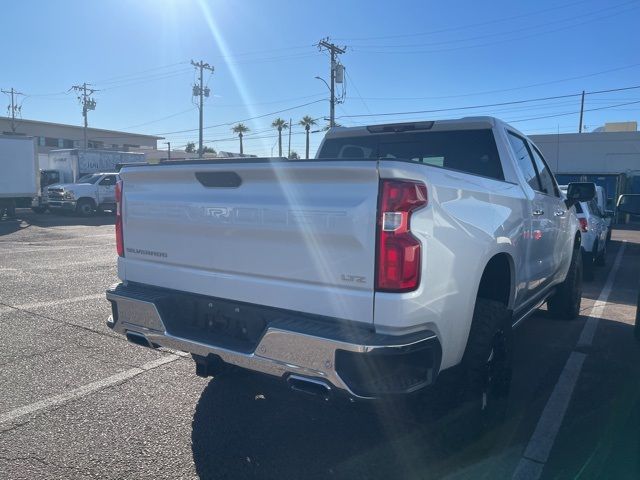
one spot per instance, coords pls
(401, 56)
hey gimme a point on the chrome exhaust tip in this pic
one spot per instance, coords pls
(139, 339)
(310, 386)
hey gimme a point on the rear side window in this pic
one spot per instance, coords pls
(546, 177)
(469, 151)
(524, 160)
(578, 208)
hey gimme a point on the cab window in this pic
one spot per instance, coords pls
(108, 180)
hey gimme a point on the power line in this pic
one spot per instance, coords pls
(140, 72)
(363, 49)
(521, 29)
(244, 119)
(357, 92)
(523, 87)
(160, 119)
(573, 113)
(284, 100)
(138, 81)
(464, 27)
(472, 107)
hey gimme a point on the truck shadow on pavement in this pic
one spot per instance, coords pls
(11, 225)
(49, 219)
(617, 295)
(248, 426)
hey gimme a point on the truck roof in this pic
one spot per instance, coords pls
(467, 123)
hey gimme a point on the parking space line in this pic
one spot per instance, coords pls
(84, 390)
(537, 452)
(589, 330)
(50, 303)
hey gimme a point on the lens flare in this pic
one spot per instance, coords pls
(224, 48)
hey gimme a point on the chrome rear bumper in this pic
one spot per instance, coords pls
(356, 361)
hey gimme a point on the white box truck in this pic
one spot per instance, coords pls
(75, 163)
(19, 174)
(66, 166)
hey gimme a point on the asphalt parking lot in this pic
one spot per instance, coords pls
(78, 401)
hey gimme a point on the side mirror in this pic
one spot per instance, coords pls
(629, 203)
(580, 192)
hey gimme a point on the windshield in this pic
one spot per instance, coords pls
(91, 178)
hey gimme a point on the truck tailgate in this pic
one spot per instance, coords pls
(293, 235)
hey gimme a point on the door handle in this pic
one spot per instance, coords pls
(538, 212)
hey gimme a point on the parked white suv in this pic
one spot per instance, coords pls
(400, 252)
(594, 226)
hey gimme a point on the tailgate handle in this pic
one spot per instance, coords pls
(219, 179)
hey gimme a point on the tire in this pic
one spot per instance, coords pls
(588, 273)
(565, 303)
(636, 329)
(11, 211)
(486, 366)
(85, 207)
(601, 258)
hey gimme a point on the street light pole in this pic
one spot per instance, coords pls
(331, 123)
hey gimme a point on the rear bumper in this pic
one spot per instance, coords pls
(343, 357)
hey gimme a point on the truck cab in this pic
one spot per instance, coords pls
(92, 192)
(39, 203)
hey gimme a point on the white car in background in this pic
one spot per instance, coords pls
(594, 227)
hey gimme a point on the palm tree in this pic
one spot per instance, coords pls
(280, 124)
(240, 129)
(306, 122)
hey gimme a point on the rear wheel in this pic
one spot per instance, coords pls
(637, 327)
(11, 210)
(85, 207)
(487, 362)
(601, 258)
(587, 263)
(565, 303)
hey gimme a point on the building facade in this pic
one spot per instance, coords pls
(611, 159)
(53, 136)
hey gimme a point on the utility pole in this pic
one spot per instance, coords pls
(201, 91)
(289, 154)
(581, 112)
(334, 50)
(87, 103)
(13, 108)
(168, 150)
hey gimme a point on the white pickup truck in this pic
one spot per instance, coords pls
(92, 192)
(399, 252)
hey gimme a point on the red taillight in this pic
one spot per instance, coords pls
(399, 252)
(119, 234)
(584, 226)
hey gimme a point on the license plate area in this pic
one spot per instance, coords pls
(216, 322)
